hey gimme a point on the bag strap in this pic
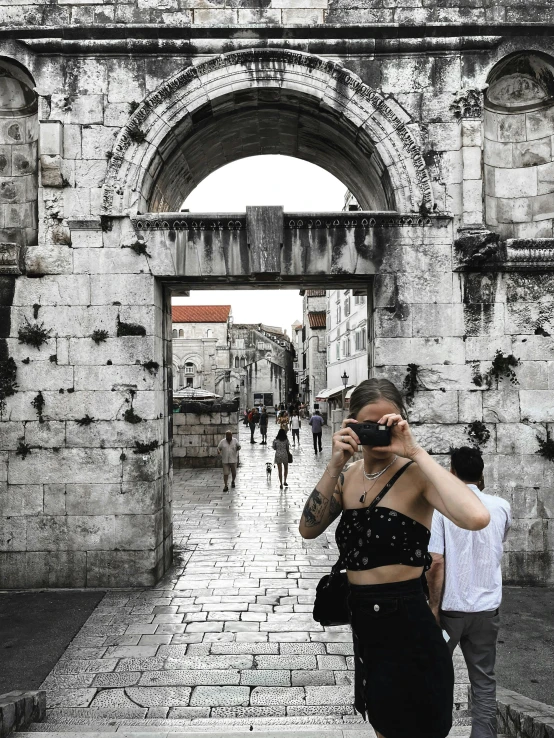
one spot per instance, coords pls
(388, 485)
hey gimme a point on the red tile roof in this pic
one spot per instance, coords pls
(318, 320)
(200, 313)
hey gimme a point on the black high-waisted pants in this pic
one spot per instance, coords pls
(404, 677)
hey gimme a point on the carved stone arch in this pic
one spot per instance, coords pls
(195, 359)
(331, 118)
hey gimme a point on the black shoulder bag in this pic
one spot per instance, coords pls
(331, 595)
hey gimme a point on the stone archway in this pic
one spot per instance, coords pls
(266, 101)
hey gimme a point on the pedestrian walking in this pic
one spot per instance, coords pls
(253, 420)
(282, 450)
(263, 426)
(316, 421)
(404, 677)
(284, 421)
(465, 588)
(295, 425)
(229, 448)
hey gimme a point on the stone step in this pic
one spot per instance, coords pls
(147, 731)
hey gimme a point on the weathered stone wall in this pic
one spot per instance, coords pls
(79, 506)
(310, 12)
(196, 436)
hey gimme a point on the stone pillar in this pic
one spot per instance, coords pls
(469, 110)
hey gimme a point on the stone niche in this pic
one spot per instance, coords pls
(519, 158)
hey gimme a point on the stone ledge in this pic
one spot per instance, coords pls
(19, 709)
(521, 717)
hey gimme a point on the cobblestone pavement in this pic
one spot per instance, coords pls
(228, 634)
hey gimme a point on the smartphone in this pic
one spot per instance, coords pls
(372, 434)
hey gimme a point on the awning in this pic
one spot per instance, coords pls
(349, 393)
(190, 393)
(326, 394)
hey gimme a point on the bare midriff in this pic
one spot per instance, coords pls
(385, 574)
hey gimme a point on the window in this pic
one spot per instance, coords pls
(338, 314)
(346, 346)
(209, 333)
(263, 346)
(243, 361)
(189, 368)
(346, 292)
(360, 340)
(174, 333)
(236, 362)
(303, 361)
(189, 381)
(328, 354)
(337, 350)
(181, 333)
(359, 300)
(347, 306)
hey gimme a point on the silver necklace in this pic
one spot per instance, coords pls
(373, 477)
(376, 475)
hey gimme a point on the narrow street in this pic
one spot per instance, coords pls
(228, 634)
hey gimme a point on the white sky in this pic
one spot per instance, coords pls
(263, 180)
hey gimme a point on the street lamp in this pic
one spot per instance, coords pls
(345, 379)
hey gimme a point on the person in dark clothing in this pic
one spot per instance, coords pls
(253, 420)
(316, 421)
(263, 426)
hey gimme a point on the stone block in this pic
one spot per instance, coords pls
(52, 290)
(220, 696)
(67, 466)
(526, 534)
(537, 406)
(138, 532)
(542, 229)
(516, 210)
(126, 350)
(122, 568)
(437, 320)
(484, 348)
(511, 128)
(471, 156)
(518, 438)
(532, 153)
(533, 348)
(546, 178)
(501, 406)
(470, 406)
(441, 438)
(539, 124)
(54, 499)
(48, 258)
(498, 154)
(127, 289)
(514, 183)
(116, 377)
(419, 351)
(303, 16)
(21, 499)
(434, 407)
(49, 434)
(543, 207)
(472, 192)
(277, 696)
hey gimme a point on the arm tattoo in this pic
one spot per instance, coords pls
(340, 485)
(314, 509)
(335, 509)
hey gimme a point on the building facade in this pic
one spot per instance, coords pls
(263, 357)
(314, 337)
(347, 338)
(201, 339)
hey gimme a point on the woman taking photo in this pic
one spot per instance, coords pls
(404, 678)
(282, 449)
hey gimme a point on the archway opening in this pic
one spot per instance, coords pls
(263, 121)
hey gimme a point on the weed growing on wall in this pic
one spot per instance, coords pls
(130, 416)
(38, 404)
(23, 450)
(145, 448)
(87, 420)
(546, 448)
(34, 335)
(129, 329)
(99, 336)
(412, 382)
(151, 366)
(8, 385)
(478, 433)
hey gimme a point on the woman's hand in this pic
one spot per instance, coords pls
(345, 445)
(402, 442)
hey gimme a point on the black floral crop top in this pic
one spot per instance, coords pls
(369, 537)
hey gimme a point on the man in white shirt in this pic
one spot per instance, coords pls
(465, 588)
(229, 449)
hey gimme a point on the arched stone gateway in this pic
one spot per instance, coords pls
(134, 117)
(266, 101)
